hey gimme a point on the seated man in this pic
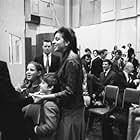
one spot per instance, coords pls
(123, 81)
(108, 76)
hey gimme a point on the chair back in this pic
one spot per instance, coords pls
(111, 93)
(131, 96)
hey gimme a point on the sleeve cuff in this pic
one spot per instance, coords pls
(35, 129)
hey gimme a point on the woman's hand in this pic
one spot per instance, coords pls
(36, 99)
(43, 96)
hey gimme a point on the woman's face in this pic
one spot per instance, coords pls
(31, 72)
(59, 42)
(95, 53)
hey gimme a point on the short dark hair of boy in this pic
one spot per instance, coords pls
(50, 78)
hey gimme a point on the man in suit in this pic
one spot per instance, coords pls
(123, 81)
(86, 61)
(108, 76)
(11, 103)
(118, 62)
(130, 50)
(96, 67)
(48, 60)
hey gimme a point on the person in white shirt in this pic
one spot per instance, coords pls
(50, 61)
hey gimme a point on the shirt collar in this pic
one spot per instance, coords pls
(107, 71)
(44, 54)
(126, 75)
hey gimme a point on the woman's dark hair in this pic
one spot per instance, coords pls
(69, 36)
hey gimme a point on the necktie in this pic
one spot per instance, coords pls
(47, 63)
(104, 73)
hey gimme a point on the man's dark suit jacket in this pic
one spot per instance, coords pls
(94, 85)
(109, 79)
(55, 62)
(11, 103)
(96, 67)
(122, 83)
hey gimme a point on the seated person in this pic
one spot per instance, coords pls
(42, 119)
(32, 79)
(120, 114)
(108, 76)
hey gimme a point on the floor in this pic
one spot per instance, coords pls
(95, 133)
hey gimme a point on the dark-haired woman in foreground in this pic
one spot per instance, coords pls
(70, 76)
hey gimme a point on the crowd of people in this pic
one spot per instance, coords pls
(49, 103)
(53, 100)
(121, 70)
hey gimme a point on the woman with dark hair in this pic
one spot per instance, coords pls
(72, 125)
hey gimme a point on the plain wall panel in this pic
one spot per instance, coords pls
(126, 32)
(138, 38)
(138, 7)
(107, 10)
(12, 23)
(107, 36)
(126, 8)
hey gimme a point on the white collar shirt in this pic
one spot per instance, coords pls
(106, 72)
(45, 59)
(126, 75)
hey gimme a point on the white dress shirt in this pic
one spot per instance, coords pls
(45, 59)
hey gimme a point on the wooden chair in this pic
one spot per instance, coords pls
(121, 115)
(110, 96)
(132, 96)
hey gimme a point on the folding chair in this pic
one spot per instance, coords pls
(110, 95)
(132, 96)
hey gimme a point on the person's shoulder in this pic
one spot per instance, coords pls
(51, 104)
(112, 72)
(3, 62)
(97, 59)
(55, 56)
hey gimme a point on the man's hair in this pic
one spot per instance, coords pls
(96, 51)
(102, 51)
(123, 46)
(46, 40)
(119, 52)
(107, 60)
(86, 55)
(87, 50)
(129, 44)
